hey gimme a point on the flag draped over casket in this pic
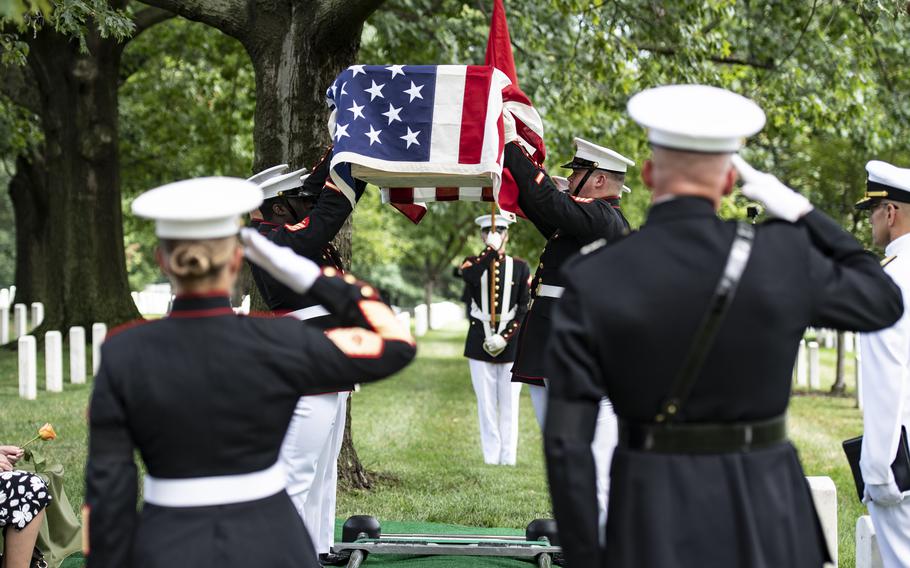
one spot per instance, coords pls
(399, 126)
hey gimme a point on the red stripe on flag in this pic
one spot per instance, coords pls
(401, 194)
(448, 193)
(486, 194)
(474, 113)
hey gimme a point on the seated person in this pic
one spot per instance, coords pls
(23, 498)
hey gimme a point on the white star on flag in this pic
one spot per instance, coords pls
(414, 91)
(373, 135)
(343, 92)
(333, 88)
(357, 69)
(357, 110)
(411, 137)
(396, 70)
(375, 90)
(392, 114)
(341, 130)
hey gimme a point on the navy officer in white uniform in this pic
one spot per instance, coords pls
(205, 395)
(886, 367)
(496, 291)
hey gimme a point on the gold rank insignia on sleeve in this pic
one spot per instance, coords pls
(886, 261)
(539, 179)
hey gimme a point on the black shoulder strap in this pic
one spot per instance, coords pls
(717, 309)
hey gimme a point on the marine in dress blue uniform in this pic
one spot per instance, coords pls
(205, 396)
(304, 211)
(719, 486)
(496, 294)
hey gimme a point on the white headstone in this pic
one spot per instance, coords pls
(12, 294)
(77, 355)
(404, 318)
(802, 379)
(824, 495)
(849, 341)
(828, 338)
(4, 324)
(858, 369)
(37, 314)
(420, 320)
(28, 367)
(53, 361)
(99, 331)
(20, 319)
(867, 553)
(4, 297)
(815, 381)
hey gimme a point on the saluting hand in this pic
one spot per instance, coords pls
(289, 268)
(779, 200)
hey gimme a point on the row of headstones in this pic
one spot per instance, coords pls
(20, 320)
(807, 371)
(53, 359)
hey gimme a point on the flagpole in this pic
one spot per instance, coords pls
(495, 273)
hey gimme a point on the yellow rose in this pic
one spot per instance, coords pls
(47, 432)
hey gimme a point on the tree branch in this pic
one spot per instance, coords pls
(229, 16)
(756, 63)
(18, 84)
(333, 17)
(148, 17)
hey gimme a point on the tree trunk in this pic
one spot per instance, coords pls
(292, 75)
(72, 217)
(840, 382)
(29, 194)
(428, 299)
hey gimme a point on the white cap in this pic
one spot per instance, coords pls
(268, 174)
(885, 181)
(696, 118)
(284, 182)
(501, 221)
(590, 155)
(201, 208)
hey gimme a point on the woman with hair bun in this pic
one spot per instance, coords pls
(205, 395)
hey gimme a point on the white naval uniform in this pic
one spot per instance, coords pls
(886, 407)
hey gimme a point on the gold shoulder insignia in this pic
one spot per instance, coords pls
(593, 246)
(886, 261)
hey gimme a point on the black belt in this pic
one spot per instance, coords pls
(702, 438)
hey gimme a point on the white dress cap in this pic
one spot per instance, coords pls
(484, 221)
(590, 155)
(201, 208)
(696, 118)
(885, 181)
(268, 174)
(284, 182)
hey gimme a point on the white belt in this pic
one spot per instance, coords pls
(316, 311)
(215, 490)
(547, 291)
(477, 313)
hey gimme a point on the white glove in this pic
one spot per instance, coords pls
(885, 493)
(508, 128)
(779, 200)
(494, 239)
(495, 344)
(289, 268)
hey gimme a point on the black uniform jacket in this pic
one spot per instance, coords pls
(746, 509)
(472, 270)
(204, 392)
(568, 223)
(310, 238)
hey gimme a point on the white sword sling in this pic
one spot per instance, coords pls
(482, 313)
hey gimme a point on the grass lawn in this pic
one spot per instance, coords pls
(419, 430)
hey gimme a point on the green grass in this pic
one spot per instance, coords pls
(419, 431)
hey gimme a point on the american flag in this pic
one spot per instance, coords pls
(418, 119)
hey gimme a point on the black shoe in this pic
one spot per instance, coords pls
(332, 559)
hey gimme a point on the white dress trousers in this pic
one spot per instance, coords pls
(539, 402)
(886, 408)
(309, 455)
(497, 410)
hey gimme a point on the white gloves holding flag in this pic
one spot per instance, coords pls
(494, 239)
(779, 200)
(495, 344)
(289, 268)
